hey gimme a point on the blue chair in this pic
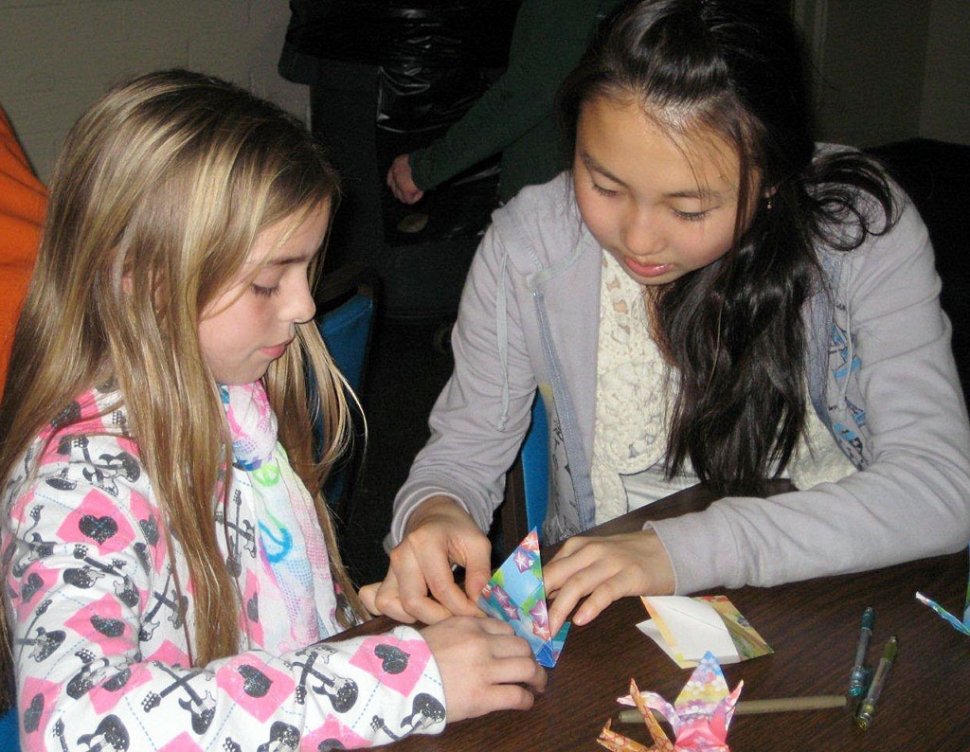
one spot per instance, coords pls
(347, 305)
(9, 731)
(527, 482)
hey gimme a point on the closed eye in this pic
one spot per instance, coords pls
(691, 216)
(266, 292)
(603, 191)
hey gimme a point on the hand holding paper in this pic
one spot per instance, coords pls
(517, 594)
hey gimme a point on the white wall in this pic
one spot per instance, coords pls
(57, 56)
(890, 69)
(946, 88)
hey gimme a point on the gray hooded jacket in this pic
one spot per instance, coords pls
(881, 377)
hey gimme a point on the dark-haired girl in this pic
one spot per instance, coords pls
(707, 296)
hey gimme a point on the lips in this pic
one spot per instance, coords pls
(276, 351)
(645, 270)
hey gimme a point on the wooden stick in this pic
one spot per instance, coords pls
(773, 705)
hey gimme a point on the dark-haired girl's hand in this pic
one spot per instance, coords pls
(420, 583)
(603, 569)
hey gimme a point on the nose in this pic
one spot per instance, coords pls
(641, 233)
(301, 306)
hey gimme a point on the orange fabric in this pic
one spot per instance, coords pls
(23, 200)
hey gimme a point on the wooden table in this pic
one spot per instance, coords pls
(813, 628)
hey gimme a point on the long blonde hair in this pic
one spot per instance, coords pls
(157, 197)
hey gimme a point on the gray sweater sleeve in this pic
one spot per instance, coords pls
(912, 501)
(475, 432)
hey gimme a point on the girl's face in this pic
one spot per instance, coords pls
(660, 212)
(251, 323)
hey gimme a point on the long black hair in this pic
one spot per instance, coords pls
(734, 329)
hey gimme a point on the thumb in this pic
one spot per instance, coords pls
(368, 596)
(477, 576)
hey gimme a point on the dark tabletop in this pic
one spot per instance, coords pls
(812, 626)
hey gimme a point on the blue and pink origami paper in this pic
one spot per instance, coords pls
(517, 594)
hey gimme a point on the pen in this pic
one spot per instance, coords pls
(857, 682)
(773, 705)
(863, 718)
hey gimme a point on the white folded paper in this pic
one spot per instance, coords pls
(687, 628)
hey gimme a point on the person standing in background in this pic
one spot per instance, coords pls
(516, 116)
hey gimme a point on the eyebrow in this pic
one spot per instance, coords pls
(698, 193)
(287, 260)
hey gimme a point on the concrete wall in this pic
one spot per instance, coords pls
(57, 56)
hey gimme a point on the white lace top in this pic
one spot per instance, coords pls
(633, 388)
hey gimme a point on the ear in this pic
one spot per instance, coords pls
(127, 285)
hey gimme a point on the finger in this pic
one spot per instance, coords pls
(593, 606)
(387, 599)
(612, 588)
(389, 603)
(435, 576)
(495, 627)
(368, 596)
(477, 575)
(521, 672)
(383, 598)
(452, 597)
(560, 610)
(489, 699)
(573, 557)
(510, 646)
(441, 582)
(506, 697)
(515, 670)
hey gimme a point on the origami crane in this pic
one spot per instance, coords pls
(699, 717)
(517, 594)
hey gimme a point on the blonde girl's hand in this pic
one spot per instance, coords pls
(484, 666)
(603, 570)
(420, 583)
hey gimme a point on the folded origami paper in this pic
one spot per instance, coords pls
(960, 626)
(517, 594)
(687, 628)
(699, 717)
(953, 621)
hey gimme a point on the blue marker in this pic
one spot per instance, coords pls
(860, 674)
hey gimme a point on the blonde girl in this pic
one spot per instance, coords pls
(169, 561)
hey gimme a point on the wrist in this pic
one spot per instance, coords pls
(430, 507)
